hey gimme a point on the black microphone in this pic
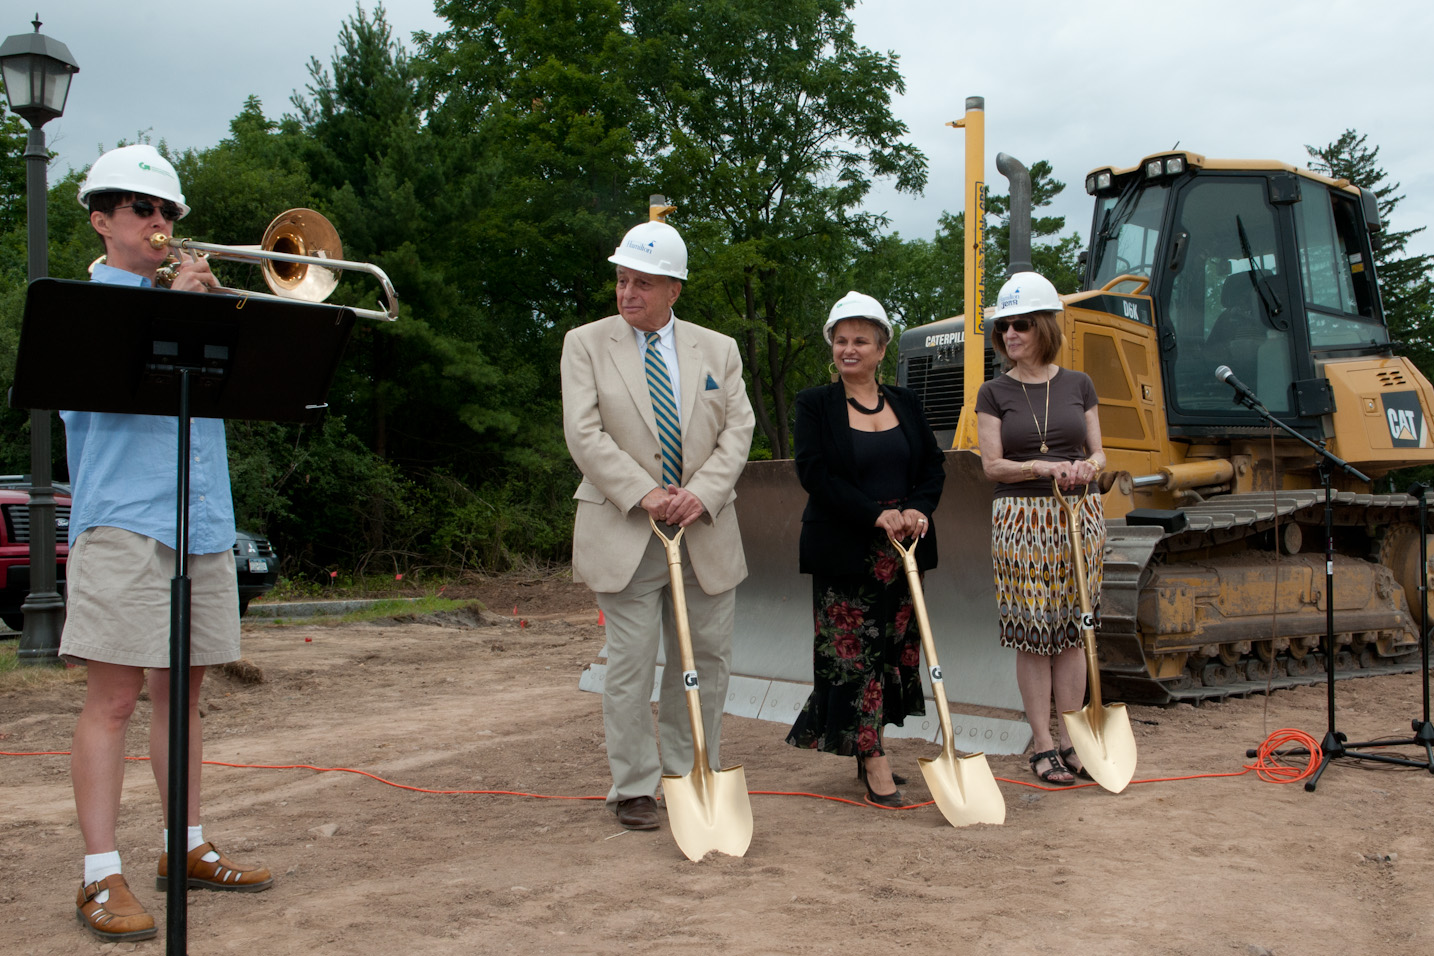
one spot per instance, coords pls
(1224, 374)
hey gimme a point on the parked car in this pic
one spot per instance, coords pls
(15, 545)
(257, 566)
(255, 563)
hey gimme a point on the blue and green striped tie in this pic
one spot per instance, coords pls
(659, 384)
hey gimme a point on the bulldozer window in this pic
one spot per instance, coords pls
(1127, 228)
(1228, 302)
(1336, 273)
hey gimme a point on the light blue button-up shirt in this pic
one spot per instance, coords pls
(124, 469)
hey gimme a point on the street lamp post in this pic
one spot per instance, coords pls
(37, 73)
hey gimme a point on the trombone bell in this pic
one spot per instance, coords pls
(301, 258)
(301, 232)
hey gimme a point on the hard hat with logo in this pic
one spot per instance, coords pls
(654, 248)
(855, 305)
(1026, 292)
(134, 169)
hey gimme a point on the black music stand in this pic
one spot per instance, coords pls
(93, 347)
(1335, 745)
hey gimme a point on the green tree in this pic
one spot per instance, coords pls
(767, 123)
(437, 394)
(1406, 282)
(532, 87)
(12, 166)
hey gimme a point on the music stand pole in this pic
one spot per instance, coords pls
(176, 899)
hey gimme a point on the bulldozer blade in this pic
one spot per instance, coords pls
(963, 787)
(709, 810)
(1104, 742)
(772, 643)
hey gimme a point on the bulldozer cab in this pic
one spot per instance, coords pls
(1256, 266)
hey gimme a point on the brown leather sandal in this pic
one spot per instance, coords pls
(220, 874)
(118, 918)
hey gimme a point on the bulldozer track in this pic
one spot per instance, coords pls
(1215, 529)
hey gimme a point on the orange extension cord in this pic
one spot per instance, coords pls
(1267, 767)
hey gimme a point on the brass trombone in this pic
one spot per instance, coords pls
(300, 256)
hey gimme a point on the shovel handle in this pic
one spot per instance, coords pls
(684, 642)
(928, 642)
(1071, 505)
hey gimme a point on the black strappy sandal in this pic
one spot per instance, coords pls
(1056, 767)
(1080, 771)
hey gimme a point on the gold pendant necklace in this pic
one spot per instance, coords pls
(1040, 427)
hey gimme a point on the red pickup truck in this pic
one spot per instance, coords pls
(15, 550)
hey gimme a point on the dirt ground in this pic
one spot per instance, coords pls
(486, 703)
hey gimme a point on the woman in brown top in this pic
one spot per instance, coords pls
(1036, 423)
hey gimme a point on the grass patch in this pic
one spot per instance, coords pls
(398, 607)
(13, 676)
(387, 609)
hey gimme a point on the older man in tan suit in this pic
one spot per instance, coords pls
(656, 417)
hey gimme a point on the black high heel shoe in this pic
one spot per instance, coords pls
(896, 778)
(891, 801)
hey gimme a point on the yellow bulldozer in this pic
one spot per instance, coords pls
(1215, 562)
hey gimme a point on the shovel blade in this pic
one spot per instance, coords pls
(709, 810)
(1104, 742)
(964, 789)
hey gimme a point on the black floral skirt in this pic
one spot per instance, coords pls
(866, 660)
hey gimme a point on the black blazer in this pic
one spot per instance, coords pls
(840, 518)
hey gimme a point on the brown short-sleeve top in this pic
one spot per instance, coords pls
(1024, 418)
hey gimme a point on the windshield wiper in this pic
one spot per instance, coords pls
(1266, 292)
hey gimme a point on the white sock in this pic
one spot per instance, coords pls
(100, 865)
(196, 838)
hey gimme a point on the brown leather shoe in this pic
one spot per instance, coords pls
(118, 918)
(637, 813)
(220, 874)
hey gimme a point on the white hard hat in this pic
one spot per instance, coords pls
(1027, 292)
(654, 248)
(855, 305)
(134, 169)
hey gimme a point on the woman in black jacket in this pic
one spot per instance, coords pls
(872, 470)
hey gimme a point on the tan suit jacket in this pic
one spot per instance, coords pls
(612, 435)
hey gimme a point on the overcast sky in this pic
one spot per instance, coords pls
(1080, 84)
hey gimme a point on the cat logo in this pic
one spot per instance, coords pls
(1405, 419)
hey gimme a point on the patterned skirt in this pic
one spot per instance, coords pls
(1036, 596)
(866, 658)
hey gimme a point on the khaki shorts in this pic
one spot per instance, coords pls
(117, 607)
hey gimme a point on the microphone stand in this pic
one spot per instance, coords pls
(1334, 746)
(1423, 729)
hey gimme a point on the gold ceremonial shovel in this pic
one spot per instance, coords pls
(963, 787)
(707, 809)
(1101, 734)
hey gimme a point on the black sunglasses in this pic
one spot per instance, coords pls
(144, 208)
(1020, 325)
